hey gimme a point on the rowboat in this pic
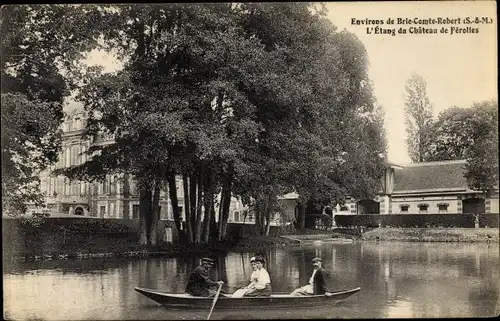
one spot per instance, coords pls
(276, 300)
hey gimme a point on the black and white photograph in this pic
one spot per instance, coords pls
(250, 160)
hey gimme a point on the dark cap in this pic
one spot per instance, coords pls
(317, 259)
(207, 261)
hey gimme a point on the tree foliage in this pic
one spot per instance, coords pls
(418, 119)
(470, 134)
(40, 47)
(246, 100)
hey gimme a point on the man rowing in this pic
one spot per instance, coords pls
(317, 282)
(199, 283)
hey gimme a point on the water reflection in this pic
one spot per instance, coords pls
(397, 279)
(399, 309)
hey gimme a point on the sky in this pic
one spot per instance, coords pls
(459, 69)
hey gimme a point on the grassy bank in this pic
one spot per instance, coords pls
(432, 234)
(89, 238)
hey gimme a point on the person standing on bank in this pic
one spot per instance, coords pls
(317, 282)
(199, 283)
(260, 282)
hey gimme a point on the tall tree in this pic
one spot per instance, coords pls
(307, 134)
(41, 46)
(418, 119)
(159, 106)
(245, 100)
(470, 134)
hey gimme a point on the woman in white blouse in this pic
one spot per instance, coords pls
(260, 282)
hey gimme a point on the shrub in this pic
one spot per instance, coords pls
(417, 220)
(31, 222)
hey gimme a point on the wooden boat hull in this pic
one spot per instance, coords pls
(276, 300)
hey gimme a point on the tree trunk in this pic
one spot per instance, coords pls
(259, 215)
(172, 192)
(144, 213)
(269, 209)
(302, 216)
(213, 223)
(226, 190)
(144, 190)
(219, 227)
(208, 202)
(192, 200)
(187, 210)
(143, 232)
(155, 214)
(257, 222)
(206, 219)
(263, 223)
(268, 225)
(199, 204)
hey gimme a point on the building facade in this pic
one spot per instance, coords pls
(430, 187)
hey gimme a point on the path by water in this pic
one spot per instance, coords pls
(397, 279)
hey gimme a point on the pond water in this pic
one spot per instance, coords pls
(398, 280)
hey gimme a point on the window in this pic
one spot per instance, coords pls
(67, 157)
(422, 208)
(75, 151)
(443, 207)
(75, 188)
(404, 208)
(60, 186)
(50, 188)
(102, 210)
(105, 186)
(135, 211)
(344, 208)
(66, 188)
(112, 185)
(83, 188)
(132, 187)
(237, 216)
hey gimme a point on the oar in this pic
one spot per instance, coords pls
(215, 300)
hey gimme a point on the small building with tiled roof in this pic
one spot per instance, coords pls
(429, 187)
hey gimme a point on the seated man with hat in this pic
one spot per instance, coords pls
(199, 283)
(317, 282)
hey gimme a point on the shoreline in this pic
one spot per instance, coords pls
(420, 235)
(445, 235)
